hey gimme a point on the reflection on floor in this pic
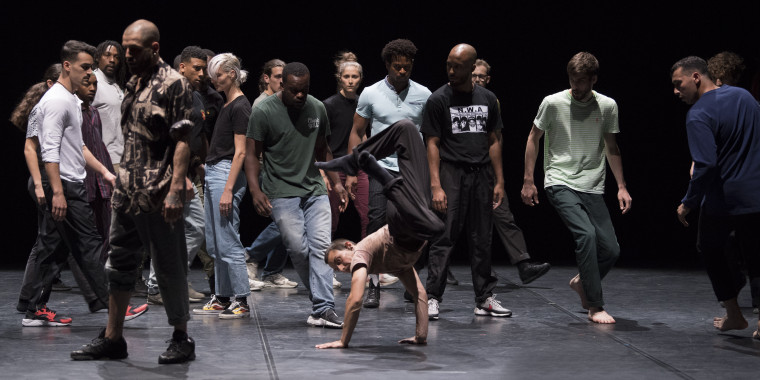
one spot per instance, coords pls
(664, 331)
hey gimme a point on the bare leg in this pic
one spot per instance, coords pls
(598, 315)
(575, 284)
(117, 307)
(733, 320)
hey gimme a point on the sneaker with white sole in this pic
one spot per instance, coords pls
(44, 317)
(255, 284)
(432, 309)
(236, 310)
(277, 280)
(327, 318)
(213, 306)
(336, 283)
(492, 307)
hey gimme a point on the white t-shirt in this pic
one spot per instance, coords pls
(60, 132)
(108, 102)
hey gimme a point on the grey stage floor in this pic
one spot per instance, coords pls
(664, 331)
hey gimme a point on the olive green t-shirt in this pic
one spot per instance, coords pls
(289, 157)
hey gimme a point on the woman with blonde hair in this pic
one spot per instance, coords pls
(225, 187)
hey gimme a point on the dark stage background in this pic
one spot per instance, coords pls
(527, 43)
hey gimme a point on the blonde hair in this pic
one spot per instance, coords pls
(227, 62)
(344, 60)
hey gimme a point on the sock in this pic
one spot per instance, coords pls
(346, 164)
(179, 335)
(223, 299)
(242, 300)
(370, 166)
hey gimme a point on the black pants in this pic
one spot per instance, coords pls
(78, 232)
(408, 213)
(509, 233)
(469, 194)
(724, 272)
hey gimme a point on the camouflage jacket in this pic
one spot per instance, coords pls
(163, 99)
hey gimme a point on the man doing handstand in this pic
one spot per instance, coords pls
(410, 224)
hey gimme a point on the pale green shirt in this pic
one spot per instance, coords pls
(574, 139)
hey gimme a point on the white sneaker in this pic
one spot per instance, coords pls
(255, 284)
(336, 283)
(433, 309)
(387, 279)
(277, 280)
(492, 307)
(253, 269)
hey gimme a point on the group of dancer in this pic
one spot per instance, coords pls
(168, 171)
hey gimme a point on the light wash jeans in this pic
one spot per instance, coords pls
(222, 233)
(304, 225)
(268, 247)
(194, 235)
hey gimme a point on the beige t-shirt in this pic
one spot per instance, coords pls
(380, 255)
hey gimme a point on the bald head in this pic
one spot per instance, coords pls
(140, 42)
(464, 52)
(146, 31)
(459, 66)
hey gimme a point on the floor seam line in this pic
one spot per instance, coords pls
(268, 357)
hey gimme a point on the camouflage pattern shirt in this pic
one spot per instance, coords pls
(163, 98)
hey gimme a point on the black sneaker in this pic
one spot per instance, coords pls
(102, 348)
(328, 318)
(181, 349)
(530, 272)
(141, 289)
(373, 296)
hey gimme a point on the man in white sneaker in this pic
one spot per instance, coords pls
(466, 179)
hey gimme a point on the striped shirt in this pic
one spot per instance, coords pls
(574, 139)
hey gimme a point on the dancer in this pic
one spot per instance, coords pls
(225, 188)
(723, 129)
(148, 198)
(291, 126)
(466, 179)
(580, 126)
(395, 97)
(395, 247)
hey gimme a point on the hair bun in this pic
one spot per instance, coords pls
(345, 56)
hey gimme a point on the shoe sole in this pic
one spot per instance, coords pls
(234, 316)
(195, 300)
(432, 317)
(483, 312)
(92, 357)
(535, 276)
(164, 361)
(40, 323)
(207, 312)
(273, 285)
(322, 323)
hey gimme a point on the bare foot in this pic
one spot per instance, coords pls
(724, 323)
(575, 284)
(598, 315)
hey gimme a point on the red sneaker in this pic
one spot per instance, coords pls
(134, 312)
(44, 317)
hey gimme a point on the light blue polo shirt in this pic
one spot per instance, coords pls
(383, 106)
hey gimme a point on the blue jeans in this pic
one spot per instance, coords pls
(268, 246)
(304, 225)
(222, 233)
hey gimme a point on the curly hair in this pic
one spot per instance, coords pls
(726, 67)
(20, 115)
(398, 48)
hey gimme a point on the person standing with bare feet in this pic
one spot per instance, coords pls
(580, 126)
(723, 129)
